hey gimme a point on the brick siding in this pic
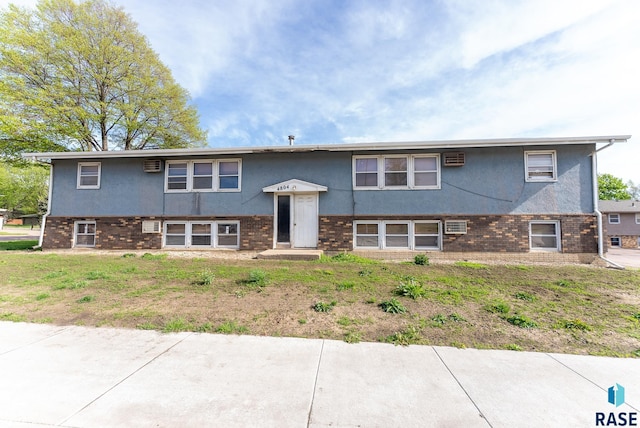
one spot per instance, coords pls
(494, 233)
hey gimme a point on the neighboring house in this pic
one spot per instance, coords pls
(621, 223)
(500, 195)
(3, 213)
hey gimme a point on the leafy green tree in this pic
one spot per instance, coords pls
(80, 76)
(24, 189)
(612, 188)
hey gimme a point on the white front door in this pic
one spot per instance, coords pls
(305, 221)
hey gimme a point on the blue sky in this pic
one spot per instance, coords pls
(360, 71)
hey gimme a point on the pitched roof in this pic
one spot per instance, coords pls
(619, 206)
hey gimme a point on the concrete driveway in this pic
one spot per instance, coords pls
(103, 377)
(623, 256)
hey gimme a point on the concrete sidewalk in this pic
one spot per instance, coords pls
(102, 377)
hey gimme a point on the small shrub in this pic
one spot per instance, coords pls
(128, 256)
(205, 278)
(257, 278)
(86, 299)
(408, 336)
(393, 306)
(513, 347)
(323, 306)
(522, 321)
(498, 308)
(525, 296)
(421, 259)
(352, 337)
(575, 324)
(636, 316)
(410, 289)
(439, 319)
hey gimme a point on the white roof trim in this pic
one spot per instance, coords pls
(294, 186)
(359, 147)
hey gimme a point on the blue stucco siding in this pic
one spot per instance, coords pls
(124, 190)
(492, 181)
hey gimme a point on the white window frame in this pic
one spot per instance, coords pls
(382, 235)
(610, 216)
(638, 218)
(380, 164)
(554, 166)
(558, 236)
(215, 177)
(438, 235)
(355, 234)
(385, 234)
(79, 184)
(618, 245)
(217, 234)
(76, 232)
(188, 225)
(166, 225)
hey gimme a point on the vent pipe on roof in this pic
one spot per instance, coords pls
(291, 138)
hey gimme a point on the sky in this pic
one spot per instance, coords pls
(343, 71)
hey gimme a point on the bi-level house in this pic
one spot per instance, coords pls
(525, 195)
(622, 224)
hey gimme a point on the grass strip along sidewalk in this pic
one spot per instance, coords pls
(571, 309)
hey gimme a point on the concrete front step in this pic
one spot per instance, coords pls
(290, 254)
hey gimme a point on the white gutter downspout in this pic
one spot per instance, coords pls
(44, 217)
(594, 175)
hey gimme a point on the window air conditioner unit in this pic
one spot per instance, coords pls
(150, 226)
(453, 159)
(152, 165)
(455, 227)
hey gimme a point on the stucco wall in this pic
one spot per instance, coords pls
(491, 182)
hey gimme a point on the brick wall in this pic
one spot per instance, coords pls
(125, 233)
(496, 233)
(335, 233)
(256, 233)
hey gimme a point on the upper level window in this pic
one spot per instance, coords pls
(540, 166)
(203, 175)
(229, 174)
(396, 172)
(614, 218)
(88, 175)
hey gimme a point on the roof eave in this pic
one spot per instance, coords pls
(407, 145)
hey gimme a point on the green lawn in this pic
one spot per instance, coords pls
(572, 309)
